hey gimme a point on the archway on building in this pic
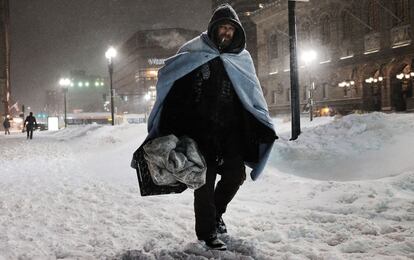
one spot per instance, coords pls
(372, 90)
(401, 82)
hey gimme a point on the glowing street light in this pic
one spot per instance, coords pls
(110, 54)
(309, 56)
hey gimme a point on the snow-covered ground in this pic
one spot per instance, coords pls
(343, 190)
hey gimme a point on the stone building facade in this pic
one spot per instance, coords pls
(364, 54)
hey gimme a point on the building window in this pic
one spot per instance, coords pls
(274, 96)
(305, 93)
(285, 46)
(325, 30)
(373, 15)
(325, 90)
(305, 31)
(273, 47)
(401, 9)
(346, 25)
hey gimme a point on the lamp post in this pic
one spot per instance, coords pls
(348, 85)
(65, 83)
(373, 92)
(110, 54)
(308, 57)
(294, 75)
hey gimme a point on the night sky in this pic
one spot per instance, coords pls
(49, 38)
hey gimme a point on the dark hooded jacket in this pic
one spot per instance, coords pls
(30, 122)
(206, 98)
(226, 14)
(6, 123)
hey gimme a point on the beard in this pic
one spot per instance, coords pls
(223, 41)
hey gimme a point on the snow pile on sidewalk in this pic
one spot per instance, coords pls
(72, 195)
(350, 148)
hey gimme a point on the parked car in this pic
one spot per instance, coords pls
(41, 126)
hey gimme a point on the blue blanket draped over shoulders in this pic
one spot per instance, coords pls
(242, 74)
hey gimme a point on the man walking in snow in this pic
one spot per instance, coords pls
(6, 125)
(30, 124)
(209, 92)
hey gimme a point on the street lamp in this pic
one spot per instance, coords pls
(110, 54)
(308, 57)
(347, 85)
(65, 83)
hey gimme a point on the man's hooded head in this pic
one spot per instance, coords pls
(220, 29)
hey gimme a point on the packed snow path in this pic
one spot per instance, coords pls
(343, 190)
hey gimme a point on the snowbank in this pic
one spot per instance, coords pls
(354, 147)
(72, 195)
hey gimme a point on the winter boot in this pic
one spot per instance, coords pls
(212, 242)
(221, 226)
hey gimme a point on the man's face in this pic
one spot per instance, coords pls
(225, 34)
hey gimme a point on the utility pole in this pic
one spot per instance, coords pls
(110, 54)
(5, 56)
(65, 91)
(111, 72)
(294, 75)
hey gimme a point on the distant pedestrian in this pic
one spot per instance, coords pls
(6, 125)
(30, 124)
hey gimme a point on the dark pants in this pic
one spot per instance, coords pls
(29, 131)
(211, 202)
